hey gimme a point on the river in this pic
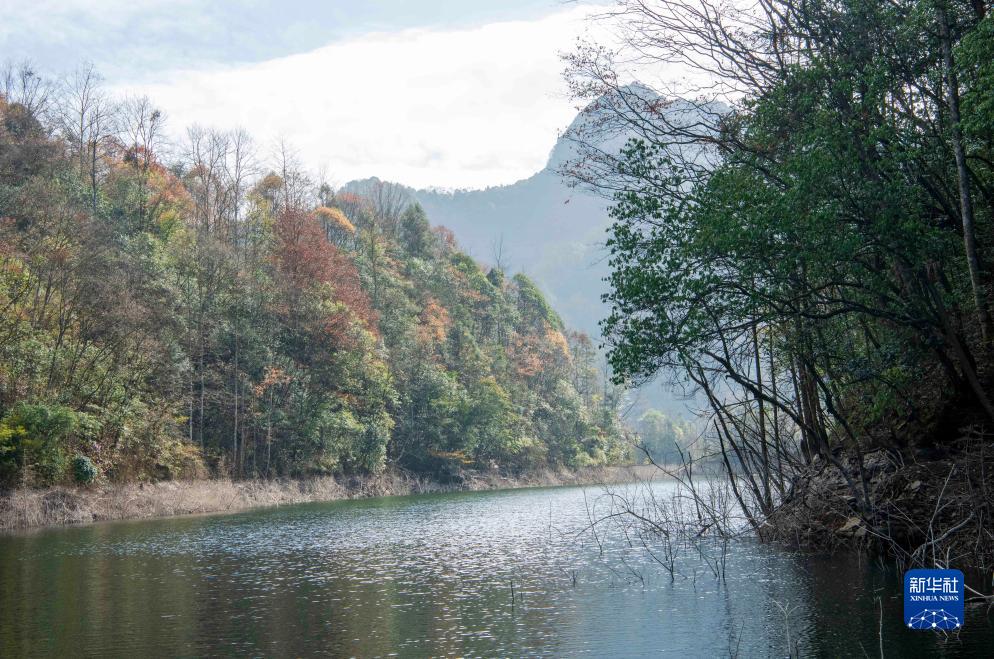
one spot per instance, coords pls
(433, 575)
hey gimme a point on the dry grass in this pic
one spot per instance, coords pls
(62, 506)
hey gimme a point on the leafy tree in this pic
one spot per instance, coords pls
(663, 439)
(415, 231)
(804, 244)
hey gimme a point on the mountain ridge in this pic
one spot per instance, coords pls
(542, 225)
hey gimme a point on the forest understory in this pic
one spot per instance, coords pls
(915, 490)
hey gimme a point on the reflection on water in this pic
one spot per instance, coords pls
(433, 575)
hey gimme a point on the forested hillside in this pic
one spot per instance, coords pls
(549, 228)
(197, 308)
(538, 225)
(543, 224)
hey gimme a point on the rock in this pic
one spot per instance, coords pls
(852, 526)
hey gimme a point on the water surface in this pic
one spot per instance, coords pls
(433, 575)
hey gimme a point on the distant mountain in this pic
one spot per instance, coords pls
(553, 233)
(540, 225)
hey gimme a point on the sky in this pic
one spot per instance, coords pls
(448, 93)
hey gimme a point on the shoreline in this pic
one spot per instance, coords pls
(917, 510)
(28, 508)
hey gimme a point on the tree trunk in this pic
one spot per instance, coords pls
(764, 446)
(93, 176)
(234, 440)
(963, 176)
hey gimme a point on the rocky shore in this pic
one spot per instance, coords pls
(930, 507)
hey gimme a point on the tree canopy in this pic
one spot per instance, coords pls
(213, 313)
(804, 239)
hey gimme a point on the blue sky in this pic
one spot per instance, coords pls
(445, 93)
(133, 39)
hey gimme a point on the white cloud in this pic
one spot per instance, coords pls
(455, 108)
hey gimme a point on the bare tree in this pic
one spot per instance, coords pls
(297, 188)
(21, 84)
(140, 127)
(206, 154)
(86, 121)
(388, 202)
(498, 253)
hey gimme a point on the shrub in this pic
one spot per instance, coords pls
(178, 459)
(83, 470)
(33, 438)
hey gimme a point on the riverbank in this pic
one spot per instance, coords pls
(65, 506)
(923, 508)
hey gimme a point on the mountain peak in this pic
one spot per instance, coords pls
(604, 125)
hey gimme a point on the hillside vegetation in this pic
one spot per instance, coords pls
(190, 314)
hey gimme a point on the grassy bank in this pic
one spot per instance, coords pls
(61, 506)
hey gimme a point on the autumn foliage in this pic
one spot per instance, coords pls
(168, 319)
